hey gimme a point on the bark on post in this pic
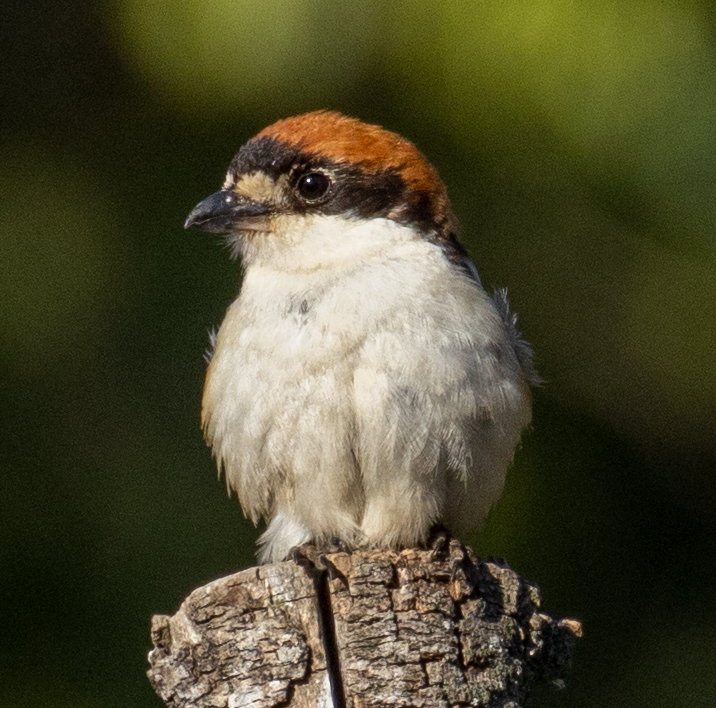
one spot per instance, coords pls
(382, 628)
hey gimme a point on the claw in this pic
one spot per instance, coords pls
(458, 557)
(333, 571)
(438, 541)
(308, 556)
(315, 562)
(455, 567)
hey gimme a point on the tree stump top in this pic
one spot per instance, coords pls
(381, 628)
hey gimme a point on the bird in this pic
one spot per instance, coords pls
(363, 388)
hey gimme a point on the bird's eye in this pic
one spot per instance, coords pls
(313, 186)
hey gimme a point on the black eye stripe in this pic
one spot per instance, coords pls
(351, 189)
(264, 154)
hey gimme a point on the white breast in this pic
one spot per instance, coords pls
(361, 387)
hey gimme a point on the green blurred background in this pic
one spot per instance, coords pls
(578, 141)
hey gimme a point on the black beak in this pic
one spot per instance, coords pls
(224, 212)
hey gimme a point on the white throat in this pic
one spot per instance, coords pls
(314, 242)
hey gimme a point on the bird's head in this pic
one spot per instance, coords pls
(325, 164)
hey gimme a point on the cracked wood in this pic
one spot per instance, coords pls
(408, 634)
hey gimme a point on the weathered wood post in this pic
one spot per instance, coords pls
(379, 629)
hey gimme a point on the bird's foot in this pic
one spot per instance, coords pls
(309, 556)
(313, 558)
(444, 546)
(458, 556)
(439, 541)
